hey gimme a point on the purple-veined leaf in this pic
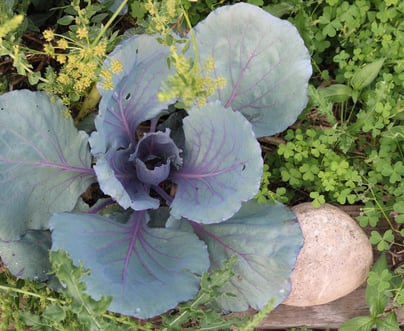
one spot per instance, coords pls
(117, 178)
(28, 256)
(155, 155)
(222, 165)
(146, 270)
(266, 239)
(134, 97)
(45, 162)
(133, 100)
(263, 59)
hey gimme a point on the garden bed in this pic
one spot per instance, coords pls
(322, 94)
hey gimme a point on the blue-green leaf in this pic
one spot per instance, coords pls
(263, 59)
(45, 162)
(28, 256)
(266, 239)
(222, 165)
(145, 270)
(133, 100)
(134, 97)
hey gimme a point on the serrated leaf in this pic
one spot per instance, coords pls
(375, 296)
(388, 323)
(86, 308)
(266, 238)
(366, 75)
(145, 270)
(54, 312)
(360, 323)
(45, 163)
(28, 256)
(264, 61)
(222, 165)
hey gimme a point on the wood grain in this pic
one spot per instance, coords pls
(331, 315)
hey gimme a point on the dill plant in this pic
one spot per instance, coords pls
(188, 83)
(80, 52)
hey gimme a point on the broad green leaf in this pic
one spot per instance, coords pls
(266, 238)
(45, 163)
(264, 61)
(336, 92)
(222, 165)
(28, 256)
(66, 20)
(366, 75)
(145, 270)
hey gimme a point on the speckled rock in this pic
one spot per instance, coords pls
(335, 258)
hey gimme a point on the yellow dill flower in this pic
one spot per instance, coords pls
(86, 52)
(62, 43)
(107, 84)
(160, 24)
(171, 6)
(64, 79)
(49, 50)
(82, 67)
(106, 74)
(221, 82)
(151, 8)
(82, 32)
(91, 68)
(66, 102)
(201, 102)
(210, 88)
(73, 60)
(210, 64)
(49, 35)
(61, 58)
(100, 49)
(82, 84)
(116, 66)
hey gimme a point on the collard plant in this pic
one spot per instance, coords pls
(179, 197)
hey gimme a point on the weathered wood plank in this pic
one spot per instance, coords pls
(331, 315)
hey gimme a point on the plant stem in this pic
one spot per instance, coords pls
(185, 312)
(108, 24)
(194, 45)
(35, 295)
(89, 102)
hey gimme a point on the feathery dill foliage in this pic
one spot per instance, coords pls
(190, 83)
(80, 52)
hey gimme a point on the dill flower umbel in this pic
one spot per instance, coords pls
(49, 35)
